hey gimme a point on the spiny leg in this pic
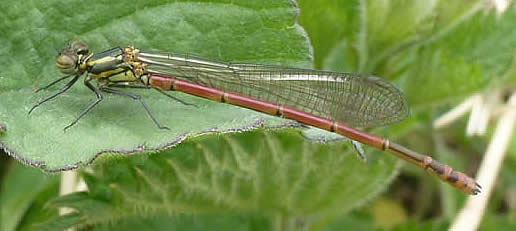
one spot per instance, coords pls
(147, 87)
(54, 82)
(99, 98)
(174, 98)
(61, 91)
(135, 97)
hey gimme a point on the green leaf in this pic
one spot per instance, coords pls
(388, 26)
(60, 223)
(22, 188)
(79, 201)
(474, 55)
(243, 31)
(215, 222)
(342, 58)
(432, 225)
(328, 22)
(362, 34)
(282, 175)
(358, 221)
(451, 50)
(493, 222)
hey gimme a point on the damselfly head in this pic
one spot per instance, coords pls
(67, 61)
(79, 47)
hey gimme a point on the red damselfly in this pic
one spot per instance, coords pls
(332, 101)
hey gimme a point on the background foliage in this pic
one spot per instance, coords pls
(437, 52)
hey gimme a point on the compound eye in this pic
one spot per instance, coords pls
(79, 47)
(66, 63)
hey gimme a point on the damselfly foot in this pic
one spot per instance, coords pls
(61, 91)
(135, 97)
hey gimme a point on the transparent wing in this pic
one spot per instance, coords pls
(354, 99)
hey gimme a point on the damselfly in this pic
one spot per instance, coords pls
(328, 100)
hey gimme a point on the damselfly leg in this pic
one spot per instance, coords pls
(54, 82)
(135, 97)
(174, 98)
(61, 91)
(91, 106)
(119, 85)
